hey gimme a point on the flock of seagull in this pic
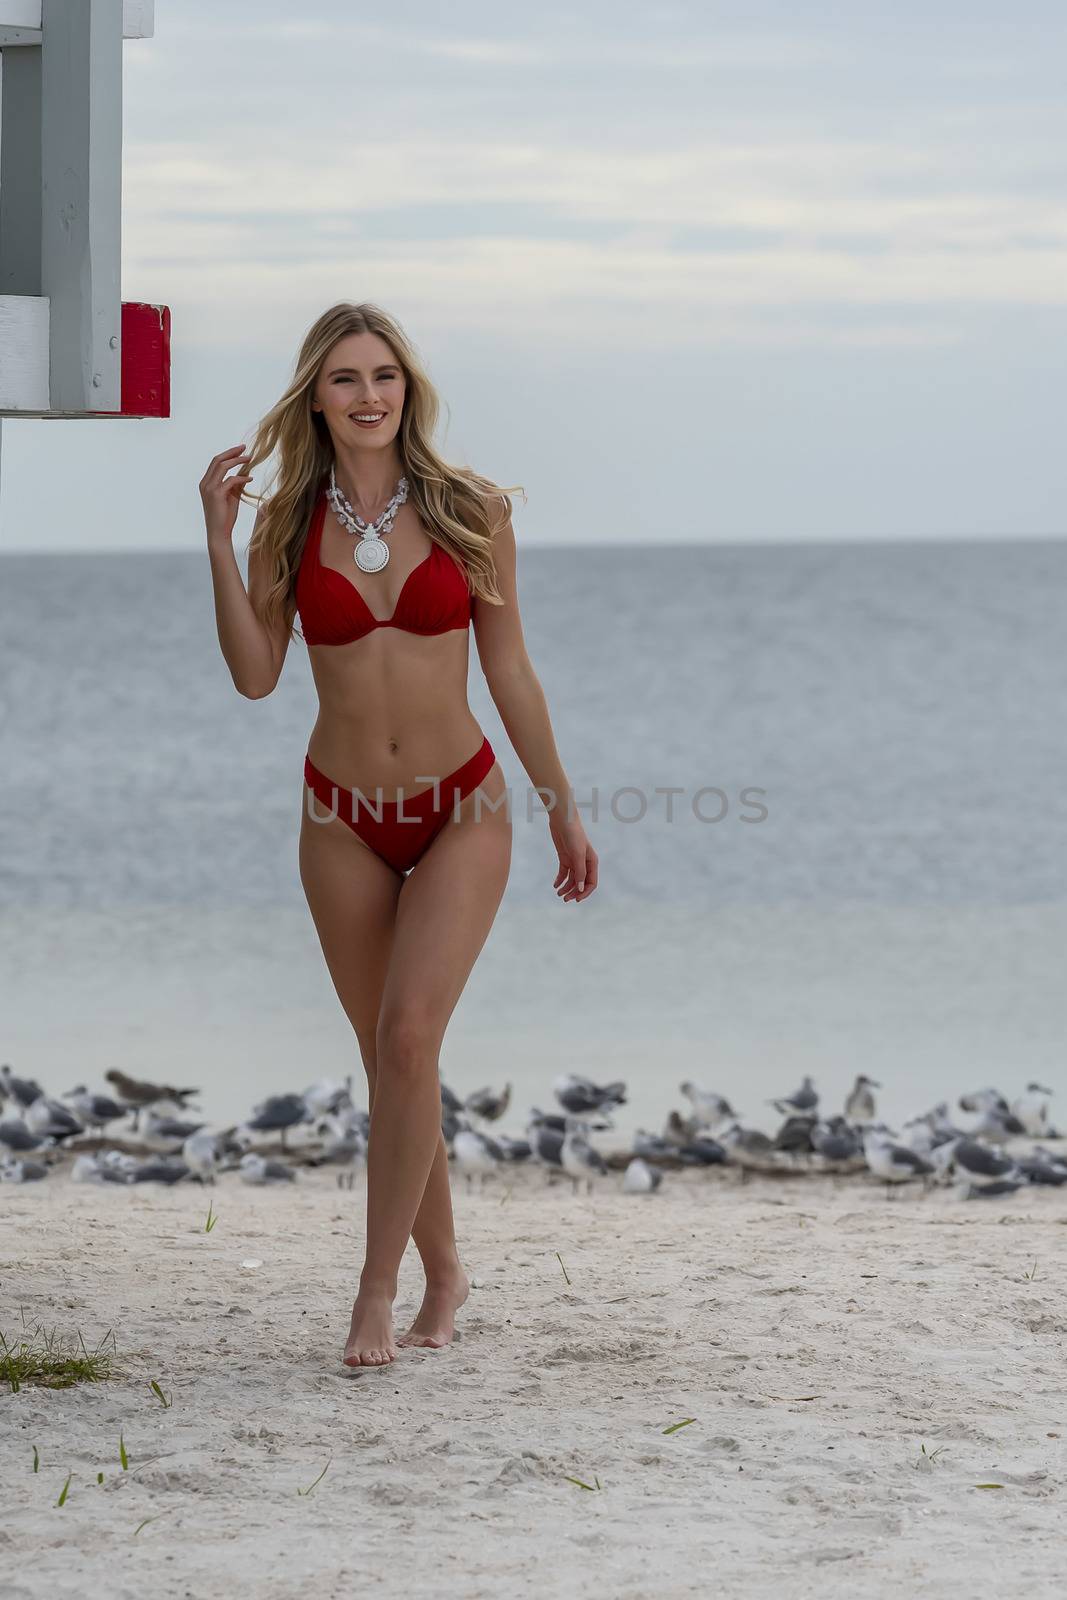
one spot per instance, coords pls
(39, 1132)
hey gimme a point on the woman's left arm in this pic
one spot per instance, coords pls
(520, 700)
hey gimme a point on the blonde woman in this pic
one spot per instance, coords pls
(406, 831)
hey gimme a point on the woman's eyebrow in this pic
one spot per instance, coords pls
(384, 366)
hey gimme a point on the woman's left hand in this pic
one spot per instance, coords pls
(578, 861)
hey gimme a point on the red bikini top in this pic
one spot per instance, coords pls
(434, 599)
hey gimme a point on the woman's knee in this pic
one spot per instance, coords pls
(407, 1043)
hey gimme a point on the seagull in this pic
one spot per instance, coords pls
(12, 1170)
(476, 1152)
(101, 1167)
(132, 1092)
(640, 1178)
(681, 1130)
(983, 1100)
(702, 1152)
(977, 1164)
(794, 1136)
(806, 1098)
(859, 1106)
(577, 1156)
(24, 1090)
(160, 1169)
(654, 1147)
(484, 1103)
(203, 1152)
(51, 1119)
(172, 1129)
(1032, 1109)
(835, 1141)
(996, 1125)
(449, 1100)
(710, 1109)
(95, 1110)
(1039, 1168)
(546, 1142)
(278, 1113)
(346, 1138)
(749, 1149)
(985, 1191)
(893, 1163)
(580, 1095)
(16, 1136)
(513, 1149)
(257, 1169)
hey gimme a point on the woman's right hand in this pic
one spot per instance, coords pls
(221, 496)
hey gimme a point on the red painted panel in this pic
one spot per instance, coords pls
(145, 360)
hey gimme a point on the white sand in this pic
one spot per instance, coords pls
(819, 1336)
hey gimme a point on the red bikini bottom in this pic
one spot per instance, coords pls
(407, 828)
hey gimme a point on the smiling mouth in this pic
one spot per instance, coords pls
(374, 419)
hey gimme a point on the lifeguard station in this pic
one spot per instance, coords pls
(69, 345)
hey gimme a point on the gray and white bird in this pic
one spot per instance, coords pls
(15, 1169)
(160, 1169)
(859, 1103)
(983, 1100)
(653, 1146)
(23, 1091)
(327, 1098)
(165, 1130)
(751, 1149)
(579, 1095)
(837, 1144)
(51, 1119)
(710, 1109)
(277, 1114)
(487, 1105)
(546, 1142)
(891, 1162)
(204, 1152)
(345, 1137)
(1032, 1110)
(976, 1163)
(95, 1110)
(16, 1137)
(259, 1170)
(640, 1178)
(577, 1156)
(476, 1154)
(996, 1125)
(806, 1098)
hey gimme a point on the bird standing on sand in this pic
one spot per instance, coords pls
(16, 1170)
(859, 1105)
(168, 1130)
(805, 1099)
(259, 1170)
(476, 1152)
(836, 1142)
(640, 1178)
(1032, 1110)
(95, 1110)
(277, 1114)
(893, 1163)
(578, 1157)
(51, 1119)
(977, 1164)
(16, 1137)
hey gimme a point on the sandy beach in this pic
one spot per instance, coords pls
(856, 1370)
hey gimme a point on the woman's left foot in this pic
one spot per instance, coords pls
(436, 1322)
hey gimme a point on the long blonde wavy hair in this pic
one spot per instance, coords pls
(461, 509)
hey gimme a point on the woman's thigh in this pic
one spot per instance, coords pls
(446, 907)
(352, 895)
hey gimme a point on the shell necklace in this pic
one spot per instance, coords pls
(371, 552)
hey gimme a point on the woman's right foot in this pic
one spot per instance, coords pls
(371, 1342)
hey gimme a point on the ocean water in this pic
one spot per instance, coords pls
(876, 881)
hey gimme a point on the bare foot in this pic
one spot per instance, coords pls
(436, 1321)
(370, 1338)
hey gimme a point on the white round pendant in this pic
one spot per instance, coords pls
(371, 555)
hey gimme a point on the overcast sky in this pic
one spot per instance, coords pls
(687, 272)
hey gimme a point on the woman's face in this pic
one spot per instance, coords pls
(360, 377)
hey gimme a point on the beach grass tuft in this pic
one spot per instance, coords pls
(319, 1479)
(165, 1400)
(212, 1218)
(63, 1492)
(52, 1359)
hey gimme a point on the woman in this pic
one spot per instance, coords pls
(403, 890)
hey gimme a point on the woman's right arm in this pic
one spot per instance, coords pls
(253, 652)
